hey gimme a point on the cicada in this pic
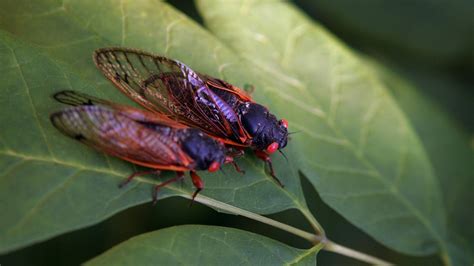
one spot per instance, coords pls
(222, 110)
(140, 137)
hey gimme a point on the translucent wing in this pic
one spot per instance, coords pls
(110, 131)
(218, 84)
(167, 86)
(75, 98)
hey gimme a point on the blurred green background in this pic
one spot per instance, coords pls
(429, 43)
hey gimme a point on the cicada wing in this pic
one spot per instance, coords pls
(167, 86)
(76, 98)
(218, 84)
(110, 131)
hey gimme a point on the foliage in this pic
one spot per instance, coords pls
(372, 157)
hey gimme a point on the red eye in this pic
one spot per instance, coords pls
(284, 122)
(214, 167)
(272, 147)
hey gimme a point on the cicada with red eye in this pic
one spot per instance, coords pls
(140, 137)
(220, 109)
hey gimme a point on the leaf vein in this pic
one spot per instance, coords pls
(7, 171)
(121, 194)
(169, 28)
(61, 186)
(123, 21)
(35, 112)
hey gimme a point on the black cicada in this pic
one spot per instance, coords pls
(220, 109)
(138, 136)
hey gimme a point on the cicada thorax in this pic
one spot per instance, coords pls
(206, 152)
(265, 131)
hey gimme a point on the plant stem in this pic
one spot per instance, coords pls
(336, 248)
(314, 223)
(315, 239)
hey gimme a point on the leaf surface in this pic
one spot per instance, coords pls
(204, 245)
(447, 144)
(51, 184)
(356, 146)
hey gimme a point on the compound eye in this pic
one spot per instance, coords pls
(284, 122)
(272, 147)
(214, 167)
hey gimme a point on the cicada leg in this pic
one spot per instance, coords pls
(198, 183)
(230, 159)
(266, 158)
(235, 152)
(179, 176)
(232, 153)
(129, 178)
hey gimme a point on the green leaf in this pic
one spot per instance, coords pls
(50, 184)
(448, 147)
(356, 146)
(204, 245)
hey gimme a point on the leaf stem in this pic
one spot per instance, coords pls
(336, 248)
(314, 223)
(315, 239)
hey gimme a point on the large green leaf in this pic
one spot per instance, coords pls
(453, 160)
(51, 184)
(356, 146)
(204, 245)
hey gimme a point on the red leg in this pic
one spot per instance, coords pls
(128, 179)
(231, 160)
(265, 157)
(234, 152)
(179, 176)
(198, 183)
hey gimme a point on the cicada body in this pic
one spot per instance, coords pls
(138, 136)
(169, 87)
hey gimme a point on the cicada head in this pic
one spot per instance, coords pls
(207, 153)
(268, 133)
